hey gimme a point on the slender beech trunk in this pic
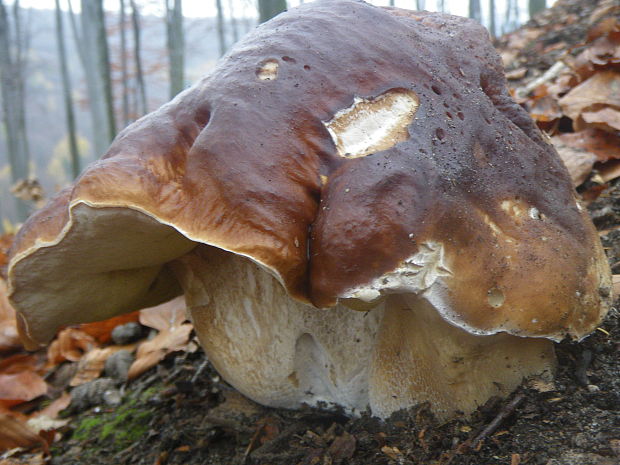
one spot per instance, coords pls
(221, 37)
(103, 55)
(474, 10)
(267, 9)
(124, 73)
(137, 53)
(492, 27)
(13, 105)
(174, 27)
(536, 6)
(233, 21)
(66, 92)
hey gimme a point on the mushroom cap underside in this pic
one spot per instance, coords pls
(394, 163)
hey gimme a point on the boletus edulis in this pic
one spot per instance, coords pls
(356, 211)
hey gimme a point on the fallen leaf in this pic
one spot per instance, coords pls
(9, 339)
(15, 433)
(58, 405)
(102, 330)
(604, 145)
(25, 459)
(70, 344)
(91, 365)
(602, 88)
(151, 352)
(17, 363)
(21, 387)
(606, 118)
(578, 161)
(166, 315)
(392, 452)
(616, 281)
(343, 447)
(609, 171)
(5, 244)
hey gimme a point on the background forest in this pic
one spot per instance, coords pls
(75, 73)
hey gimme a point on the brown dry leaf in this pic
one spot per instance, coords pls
(392, 452)
(9, 338)
(5, 244)
(609, 171)
(102, 330)
(15, 433)
(603, 144)
(166, 315)
(616, 281)
(30, 459)
(601, 89)
(70, 344)
(151, 352)
(578, 161)
(343, 447)
(92, 363)
(545, 109)
(22, 362)
(16, 388)
(58, 405)
(606, 118)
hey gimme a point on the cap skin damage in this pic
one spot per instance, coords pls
(299, 182)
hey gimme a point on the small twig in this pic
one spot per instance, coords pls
(547, 76)
(504, 413)
(199, 371)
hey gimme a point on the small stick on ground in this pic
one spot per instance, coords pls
(504, 413)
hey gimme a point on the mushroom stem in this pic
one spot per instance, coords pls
(273, 349)
(419, 357)
(284, 353)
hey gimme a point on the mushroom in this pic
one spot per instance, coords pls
(373, 225)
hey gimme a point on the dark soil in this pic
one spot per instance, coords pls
(182, 413)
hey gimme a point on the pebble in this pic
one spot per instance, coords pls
(97, 392)
(127, 333)
(117, 365)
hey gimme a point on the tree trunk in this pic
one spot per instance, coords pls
(220, 27)
(474, 10)
(103, 55)
(233, 21)
(88, 40)
(12, 86)
(174, 27)
(135, 21)
(536, 6)
(267, 9)
(492, 27)
(419, 5)
(66, 92)
(123, 58)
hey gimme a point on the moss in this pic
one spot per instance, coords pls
(127, 426)
(85, 428)
(120, 428)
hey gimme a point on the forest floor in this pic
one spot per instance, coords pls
(181, 412)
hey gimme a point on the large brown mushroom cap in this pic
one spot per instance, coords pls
(393, 163)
